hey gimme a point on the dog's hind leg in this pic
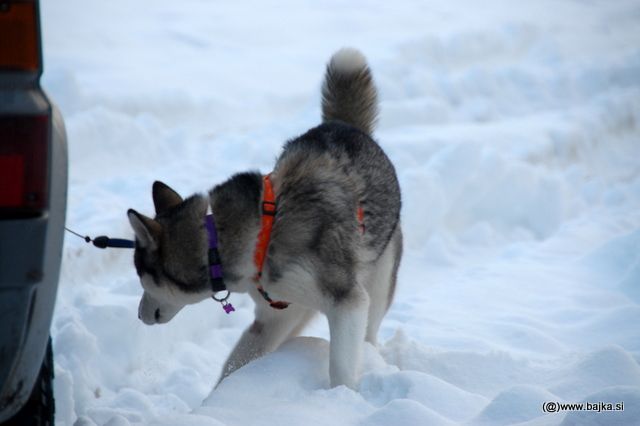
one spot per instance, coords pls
(380, 282)
(269, 330)
(347, 325)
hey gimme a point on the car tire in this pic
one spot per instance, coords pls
(39, 409)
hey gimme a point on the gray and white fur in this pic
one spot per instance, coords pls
(318, 259)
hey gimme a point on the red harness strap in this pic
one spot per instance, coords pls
(361, 219)
(268, 214)
(267, 217)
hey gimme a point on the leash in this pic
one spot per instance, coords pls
(103, 241)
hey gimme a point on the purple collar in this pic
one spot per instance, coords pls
(215, 264)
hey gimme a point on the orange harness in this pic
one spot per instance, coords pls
(268, 214)
(264, 236)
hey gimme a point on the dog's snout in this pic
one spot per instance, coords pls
(154, 311)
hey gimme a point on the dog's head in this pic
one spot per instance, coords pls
(171, 254)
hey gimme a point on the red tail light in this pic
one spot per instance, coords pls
(23, 164)
(19, 36)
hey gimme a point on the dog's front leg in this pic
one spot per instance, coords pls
(347, 326)
(269, 330)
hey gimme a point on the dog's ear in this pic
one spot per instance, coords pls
(164, 197)
(147, 230)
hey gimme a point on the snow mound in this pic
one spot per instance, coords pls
(514, 405)
(402, 411)
(611, 366)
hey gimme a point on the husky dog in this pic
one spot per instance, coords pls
(335, 244)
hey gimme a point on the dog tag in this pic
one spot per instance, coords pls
(228, 307)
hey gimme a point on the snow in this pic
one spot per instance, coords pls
(515, 133)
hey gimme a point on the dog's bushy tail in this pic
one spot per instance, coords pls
(348, 92)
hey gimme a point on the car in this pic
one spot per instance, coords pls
(33, 199)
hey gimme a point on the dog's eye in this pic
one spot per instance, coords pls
(142, 266)
(138, 263)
